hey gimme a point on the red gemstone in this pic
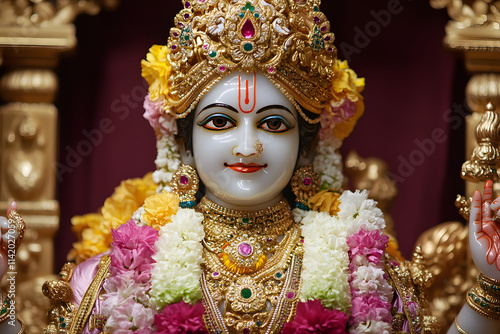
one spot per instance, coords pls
(307, 181)
(248, 30)
(290, 295)
(184, 180)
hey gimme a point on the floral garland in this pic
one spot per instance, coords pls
(127, 303)
(371, 293)
(179, 254)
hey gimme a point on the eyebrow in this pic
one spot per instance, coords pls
(220, 105)
(274, 106)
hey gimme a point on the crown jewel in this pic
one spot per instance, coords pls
(287, 40)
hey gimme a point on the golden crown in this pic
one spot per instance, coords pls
(289, 41)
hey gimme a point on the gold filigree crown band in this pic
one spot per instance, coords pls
(289, 41)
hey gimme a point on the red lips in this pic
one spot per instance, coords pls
(245, 168)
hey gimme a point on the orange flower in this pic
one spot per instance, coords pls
(393, 249)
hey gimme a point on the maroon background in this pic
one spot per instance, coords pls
(411, 84)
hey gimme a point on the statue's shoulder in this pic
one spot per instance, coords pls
(74, 295)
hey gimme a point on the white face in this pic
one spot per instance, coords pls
(245, 141)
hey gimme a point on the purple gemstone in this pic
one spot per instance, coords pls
(245, 249)
(316, 19)
(181, 25)
(202, 1)
(186, 16)
(175, 34)
(329, 50)
(184, 180)
(290, 295)
(246, 331)
(248, 30)
(215, 274)
(271, 69)
(174, 47)
(327, 38)
(269, 239)
(306, 181)
(222, 68)
(187, 5)
(323, 29)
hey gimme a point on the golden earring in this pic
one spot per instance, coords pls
(305, 184)
(185, 184)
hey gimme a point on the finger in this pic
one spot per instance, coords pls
(488, 191)
(12, 206)
(495, 205)
(475, 213)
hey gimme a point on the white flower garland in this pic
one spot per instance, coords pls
(325, 273)
(167, 161)
(328, 164)
(179, 254)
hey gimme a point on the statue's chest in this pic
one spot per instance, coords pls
(241, 295)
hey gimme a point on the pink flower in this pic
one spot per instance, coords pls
(327, 122)
(343, 111)
(370, 244)
(370, 308)
(312, 317)
(130, 316)
(157, 117)
(132, 249)
(181, 318)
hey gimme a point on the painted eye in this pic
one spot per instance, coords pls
(275, 124)
(218, 122)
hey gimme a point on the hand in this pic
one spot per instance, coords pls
(484, 232)
(11, 235)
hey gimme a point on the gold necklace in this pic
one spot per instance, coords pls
(244, 239)
(260, 300)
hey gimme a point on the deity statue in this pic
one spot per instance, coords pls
(245, 227)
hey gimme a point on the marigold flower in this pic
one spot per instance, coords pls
(159, 208)
(325, 201)
(156, 70)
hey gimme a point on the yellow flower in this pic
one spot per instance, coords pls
(325, 201)
(346, 83)
(344, 129)
(156, 70)
(159, 208)
(94, 230)
(393, 249)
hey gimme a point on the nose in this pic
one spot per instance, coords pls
(248, 143)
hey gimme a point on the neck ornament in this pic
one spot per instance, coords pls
(252, 266)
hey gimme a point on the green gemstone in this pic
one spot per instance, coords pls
(63, 325)
(246, 293)
(61, 319)
(4, 310)
(245, 220)
(248, 47)
(242, 15)
(256, 15)
(186, 38)
(316, 9)
(212, 54)
(278, 275)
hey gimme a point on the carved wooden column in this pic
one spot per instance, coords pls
(33, 36)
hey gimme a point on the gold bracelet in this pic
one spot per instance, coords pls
(4, 307)
(483, 304)
(23, 327)
(489, 285)
(459, 328)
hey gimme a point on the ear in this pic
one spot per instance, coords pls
(186, 156)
